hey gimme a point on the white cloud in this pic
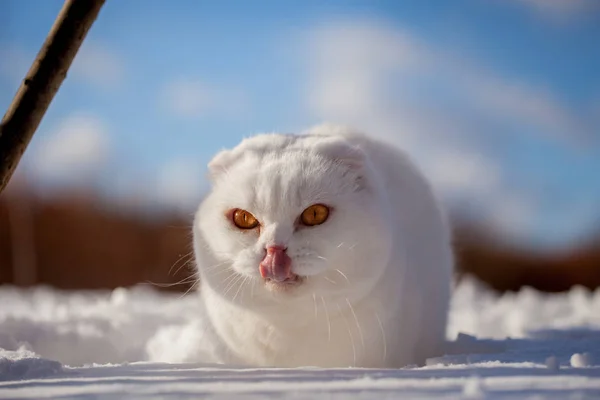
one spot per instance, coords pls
(351, 68)
(454, 172)
(349, 63)
(442, 109)
(188, 98)
(76, 149)
(354, 62)
(98, 65)
(180, 184)
(522, 103)
(193, 98)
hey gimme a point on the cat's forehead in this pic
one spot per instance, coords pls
(280, 181)
(282, 172)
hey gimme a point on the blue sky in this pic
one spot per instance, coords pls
(498, 100)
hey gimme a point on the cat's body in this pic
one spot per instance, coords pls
(368, 287)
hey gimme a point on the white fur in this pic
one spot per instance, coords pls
(378, 270)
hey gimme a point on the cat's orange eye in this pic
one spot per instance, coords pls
(244, 220)
(314, 215)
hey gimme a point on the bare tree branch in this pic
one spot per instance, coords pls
(43, 81)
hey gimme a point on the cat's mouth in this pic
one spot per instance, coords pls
(276, 269)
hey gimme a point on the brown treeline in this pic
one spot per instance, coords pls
(79, 242)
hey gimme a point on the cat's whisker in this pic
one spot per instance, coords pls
(382, 335)
(215, 266)
(349, 333)
(178, 260)
(239, 288)
(225, 283)
(360, 332)
(183, 281)
(218, 268)
(344, 275)
(190, 260)
(314, 296)
(232, 284)
(190, 289)
(221, 271)
(248, 281)
(328, 319)
(330, 280)
(343, 244)
(229, 277)
(321, 258)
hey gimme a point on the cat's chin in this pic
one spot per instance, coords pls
(284, 286)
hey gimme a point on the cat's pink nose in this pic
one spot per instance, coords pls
(276, 265)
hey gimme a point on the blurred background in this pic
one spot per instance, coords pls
(497, 100)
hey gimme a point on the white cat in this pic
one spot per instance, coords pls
(325, 249)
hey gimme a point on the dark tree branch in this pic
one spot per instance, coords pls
(43, 81)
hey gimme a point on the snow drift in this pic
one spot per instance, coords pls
(144, 343)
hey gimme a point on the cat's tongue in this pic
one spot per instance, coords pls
(276, 265)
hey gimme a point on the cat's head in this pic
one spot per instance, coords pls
(290, 217)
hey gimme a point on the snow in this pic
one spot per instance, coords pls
(24, 364)
(139, 343)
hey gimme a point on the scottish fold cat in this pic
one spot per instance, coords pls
(323, 249)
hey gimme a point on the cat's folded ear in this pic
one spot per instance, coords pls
(220, 163)
(342, 152)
